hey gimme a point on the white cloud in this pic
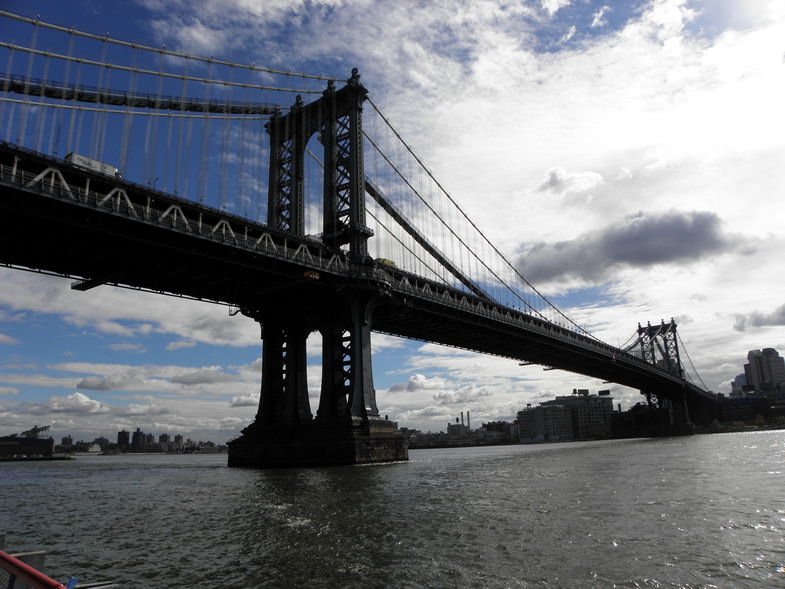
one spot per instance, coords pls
(125, 313)
(559, 181)
(553, 6)
(419, 382)
(7, 339)
(180, 345)
(146, 411)
(599, 17)
(569, 34)
(75, 403)
(127, 347)
(245, 401)
(204, 375)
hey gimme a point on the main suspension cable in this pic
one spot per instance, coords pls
(163, 50)
(480, 233)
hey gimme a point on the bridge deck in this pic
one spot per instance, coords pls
(70, 221)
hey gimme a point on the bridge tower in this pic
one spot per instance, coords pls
(659, 346)
(347, 428)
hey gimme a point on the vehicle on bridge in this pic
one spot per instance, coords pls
(91, 164)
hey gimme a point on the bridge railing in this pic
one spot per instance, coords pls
(461, 301)
(138, 202)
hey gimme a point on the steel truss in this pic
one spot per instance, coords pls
(659, 346)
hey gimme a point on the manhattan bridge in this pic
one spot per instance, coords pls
(292, 199)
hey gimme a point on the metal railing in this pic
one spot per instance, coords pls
(17, 574)
(16, 570)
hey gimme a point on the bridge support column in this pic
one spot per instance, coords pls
(347, 428)
(284, 394)
(669, 415)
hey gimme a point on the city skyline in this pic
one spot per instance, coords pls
(613, 153)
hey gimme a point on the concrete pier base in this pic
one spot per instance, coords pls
(315, 444)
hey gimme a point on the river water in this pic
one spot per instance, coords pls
(701, 511)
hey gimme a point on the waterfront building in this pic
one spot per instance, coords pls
(123, 439)
(765, 370)
(577, 416)
(138, 441)
(501, 431)
(591, 414)
(551, 422)
(459, 430)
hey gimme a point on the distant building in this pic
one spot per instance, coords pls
(545, 423)
(138, 441)
(459, 430)
(738, 388)
(578, 416)
(502, 430)
(765, 370)
(123, 439)
(102, 443)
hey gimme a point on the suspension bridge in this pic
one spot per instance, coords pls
(292, 199)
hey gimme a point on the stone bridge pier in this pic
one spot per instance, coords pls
(347, 428)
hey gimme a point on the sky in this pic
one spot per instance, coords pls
(626, 156)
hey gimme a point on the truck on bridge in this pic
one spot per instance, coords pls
(91, 164)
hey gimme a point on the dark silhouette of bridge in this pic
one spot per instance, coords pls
(81, 219)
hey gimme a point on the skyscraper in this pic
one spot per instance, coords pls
(765, 370)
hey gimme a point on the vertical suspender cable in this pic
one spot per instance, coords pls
(245, 173)
(40, 120)
(167, 153)
(187, 156)
(105, 119)
(9, 65)
(98, 118)
(260, 179)
(224, 155)
(152, 128)
(125, 139)
(57, 114)
(241, 194)
(79, 126)
(70, 144)
(26, 106)
(148, 148)
(179, 152)
(206, 128)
